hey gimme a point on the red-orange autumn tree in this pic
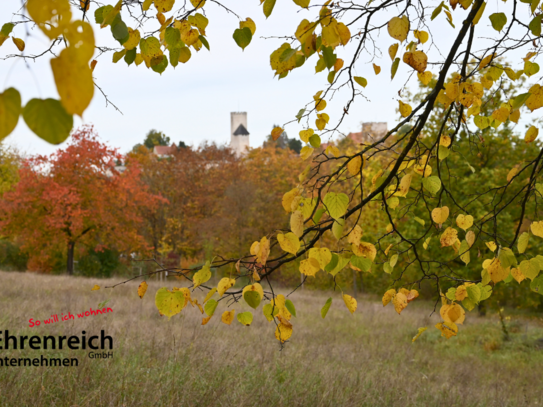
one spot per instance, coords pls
(73, 196)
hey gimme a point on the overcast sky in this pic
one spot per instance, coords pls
(193, 102)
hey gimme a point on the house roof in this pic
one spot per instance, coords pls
(164, 150)
(241, 131)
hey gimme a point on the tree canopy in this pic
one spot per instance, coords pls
(404, 203)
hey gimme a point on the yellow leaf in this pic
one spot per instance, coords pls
(425, 77)
(411, 295)
(440, 215)
(309, 267)
(416, 60)
(228, 317)
(305, 30)
(256, 276)
(496, 271)
(400, 302)
(245, 318)
(449, 237)
(376, 69)
(405, 109)
(96, 287)
(249, 23)
(254, 287)
(197, 3)
(163, 6)
(139, 59)
(297, 223)
(322, 255)
(537, 228)
(350, 302)
(209, 295)
(392, 50)
(522, 243)
(276, 133)
(169, 303)
(419, 333)
(322, 120)
(445, 141)
(405, 184)
(398, 28)
(202, 275)
(387, 297)
(356, 235)
(279, 303)
(283, 332)
(355, 165)
(205, 320)
(344, 33)
(365, 249)
(73, 78)
(330, 35)
(186, 293)
(422, 36)
(464, 221)
(448, 329)
(184, 54)
(142, 289)
(461, 293)
(134, 37)
(531, 134)
(19, 43)
(289, 242)
(51, 16)
(486, 61)
(224, 285)
(517, 275)
(453, 313)
(492, 246)
(305, 134)
(306, 152)
(530, 268)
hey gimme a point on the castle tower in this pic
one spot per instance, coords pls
(239, 135)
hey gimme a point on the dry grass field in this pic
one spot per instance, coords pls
(363, 360)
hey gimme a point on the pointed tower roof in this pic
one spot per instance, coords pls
(241, 131)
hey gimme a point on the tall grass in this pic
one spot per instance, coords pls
(365, 359)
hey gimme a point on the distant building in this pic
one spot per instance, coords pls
(239, 135)
(164, 151)
(371, 132)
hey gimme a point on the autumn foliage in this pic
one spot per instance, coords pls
(76, 198)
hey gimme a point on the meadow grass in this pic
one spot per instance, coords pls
(365, 359)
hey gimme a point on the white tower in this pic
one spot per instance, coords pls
(239, 135)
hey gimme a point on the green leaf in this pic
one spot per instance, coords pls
(419, 220)
(337, 264)
(336, 204)
(300, 114)
(507, 257)
(443, 152)
(474, 293)
(519, 101)
(204, 41)
(246, 318)
(119, 30)
(486, 291)
(6, 29)
(210, 307)
(361, 263)
(329, 57)
(482, 122)
(535, 25)
(174, 56)
(436, 11)
(10, 110)
(268, 7)
(172, 36)
(318, 215)
(243, 36)
(130, 56)
(287, 54)
(451, 294)
(361, 81)
(320, 65)
(337, 228)
(531, 68)
(315, 141)
(326, 307)
(468, 303)
(394, 68)
(522, 243)
(161, 65)
(302, 3)
(464, 252)
(48, 119)
(252, 298)
(498, 20)
(537, 285)
(290, 307)
(268, 309)
(432, 184)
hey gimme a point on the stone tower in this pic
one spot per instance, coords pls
(239, 135)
